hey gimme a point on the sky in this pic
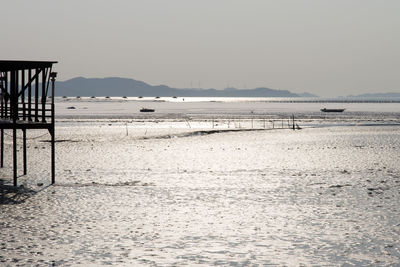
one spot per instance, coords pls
(325, 47)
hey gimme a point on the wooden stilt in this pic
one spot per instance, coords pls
(37, 96)
(30, 97)
(24, 149)
(14, 116)
(15, 172)
(2, 148)
(53, 133)
(53, 157)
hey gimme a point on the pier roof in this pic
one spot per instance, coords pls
(12, 65)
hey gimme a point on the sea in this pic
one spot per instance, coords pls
(207, 182)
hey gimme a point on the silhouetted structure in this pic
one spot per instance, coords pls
(26, 104)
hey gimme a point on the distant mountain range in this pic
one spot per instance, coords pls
(377, 95)
(115, 86)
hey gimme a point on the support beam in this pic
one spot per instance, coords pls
(6, 97)
(15, 95)
(15, 172)
(53, 156)
(23, 95)
(30, 96)
(14, 110)
(2, 148)
(53, 133)
(24, 150)
(37, 96)
(44, 95)
(31, 79)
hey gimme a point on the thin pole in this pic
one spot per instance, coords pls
(53, 134)
(43, 95)
(1, 95)
(293, 122)
(30, 96)
(53, 151)
(24, 149)
(15, 109)
(37, 95)
(15, 156)
(23, 94)
(2, 148)
(5, 113)
(14, 106)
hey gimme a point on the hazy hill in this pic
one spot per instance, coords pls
(81, 86)
(377, 95)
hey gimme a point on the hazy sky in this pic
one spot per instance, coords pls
(326, 47)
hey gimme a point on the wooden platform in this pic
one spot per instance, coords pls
(26, 104)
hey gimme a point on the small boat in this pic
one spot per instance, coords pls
(147, 110)
(332, 109)
(174, 96)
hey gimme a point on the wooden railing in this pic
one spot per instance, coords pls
(27, 112)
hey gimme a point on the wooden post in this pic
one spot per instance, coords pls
(24, 149)
(5, 112)
(37, 95)
(293, 122)
(43, 95)
(15, 172)
(53, 151)
(30, 96)
(23, 94)
(2, 148)
(14, 107)
(2, 115)
(53, 134)
(15, 110)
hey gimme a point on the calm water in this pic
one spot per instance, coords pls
(158, 190)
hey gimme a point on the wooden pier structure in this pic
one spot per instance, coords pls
(26, 103)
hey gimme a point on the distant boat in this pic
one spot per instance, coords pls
(157, 97)
(174, 97)
(140, 96)
(332, 109)
(147, 110)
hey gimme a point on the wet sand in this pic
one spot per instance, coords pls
(160, 196)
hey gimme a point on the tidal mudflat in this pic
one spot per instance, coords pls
(146, 192)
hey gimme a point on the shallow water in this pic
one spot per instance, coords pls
(163, 195)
